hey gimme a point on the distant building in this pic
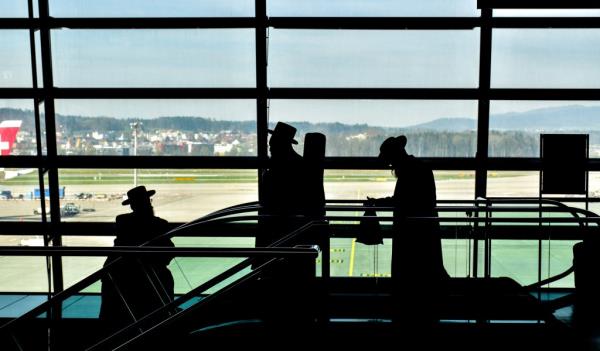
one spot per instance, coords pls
(222, 149)
(200, 149)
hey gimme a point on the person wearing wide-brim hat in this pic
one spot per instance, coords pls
(131, 275)
(281, 141)
(138, 195)
(416, 245)
(282, 184)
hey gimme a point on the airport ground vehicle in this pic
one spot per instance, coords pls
(68, 210)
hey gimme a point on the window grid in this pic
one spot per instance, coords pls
(261, 23)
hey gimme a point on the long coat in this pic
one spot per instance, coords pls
(130, 274)
(283, 196)
(416, 245)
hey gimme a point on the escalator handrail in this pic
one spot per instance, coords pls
(250, 276)
(133, 250)
(92, 278)
(219, 278)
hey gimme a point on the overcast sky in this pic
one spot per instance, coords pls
(299, 58)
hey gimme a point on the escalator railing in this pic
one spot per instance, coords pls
(124, 335)
(52, 308)
(478, 212)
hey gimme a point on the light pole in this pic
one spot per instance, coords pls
(135, 126)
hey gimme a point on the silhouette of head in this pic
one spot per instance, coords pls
(139, 199)
(282, 138)
(392, 151)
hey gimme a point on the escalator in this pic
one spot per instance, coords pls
(52, 325)
(277, 302)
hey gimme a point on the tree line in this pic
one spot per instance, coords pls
(342, 139)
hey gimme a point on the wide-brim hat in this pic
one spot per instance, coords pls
(136, 193)
(392, 144)
(284, 131)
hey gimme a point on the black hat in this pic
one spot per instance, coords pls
(284, 131)
(392, 144)
(137, 193)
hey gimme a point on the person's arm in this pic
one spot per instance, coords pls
(382, 201)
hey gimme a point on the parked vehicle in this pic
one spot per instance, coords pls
(68, 210)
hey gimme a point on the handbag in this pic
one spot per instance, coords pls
(369, 231)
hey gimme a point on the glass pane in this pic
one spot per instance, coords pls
(457, 255)
(547, 13)
(17, 128)
(441, 128)
(190, 272)
(19, 201)
(373, 58)
(515, 126)
(77, 268)
(156, 127)
(23, 274)
(15, 59)
(372, 8)
(517, 259)
(13, 8)
(594, 191)
(545, 58)
(358, 184)
(152, 58)
(38, 59)
(513, 184)
(43, 129)
(351, 259)
(455, 185)
(156, 8)
(95, 195)
(557, 258)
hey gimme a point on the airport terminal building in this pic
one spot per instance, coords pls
(500, 99)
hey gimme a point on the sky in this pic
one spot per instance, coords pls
(537, 58)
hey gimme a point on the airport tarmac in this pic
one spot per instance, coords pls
(185, 202)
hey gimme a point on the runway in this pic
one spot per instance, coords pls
(182, 202)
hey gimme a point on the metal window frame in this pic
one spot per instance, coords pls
(262, 93)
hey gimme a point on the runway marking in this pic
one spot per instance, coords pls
(333, 260)
(352, 252)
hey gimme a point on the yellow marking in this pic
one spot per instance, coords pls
(381, 179)
(352, 252)
(376, 275)
(185, 179)
(333, 260)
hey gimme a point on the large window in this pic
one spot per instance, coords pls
(108, 80)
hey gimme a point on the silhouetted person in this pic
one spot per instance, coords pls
(284, 199)
(418, 273)
(131, 274)
(283, 191)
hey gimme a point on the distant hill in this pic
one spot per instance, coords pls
(564, 118)
(448, 124)
(572, 117)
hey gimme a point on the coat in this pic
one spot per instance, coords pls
(416, 245)
(130, 277)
